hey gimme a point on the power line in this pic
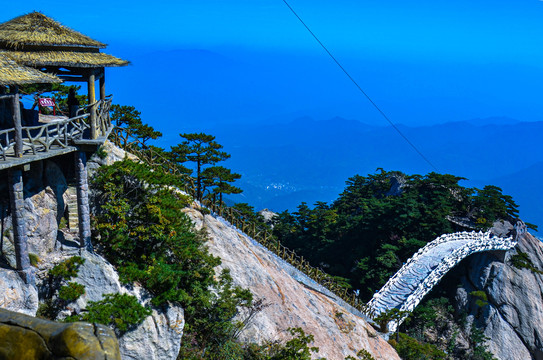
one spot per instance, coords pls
(360, 89)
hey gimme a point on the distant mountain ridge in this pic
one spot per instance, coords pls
(316, 157)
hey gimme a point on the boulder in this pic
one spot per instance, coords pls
(26, 337)
(157, 338)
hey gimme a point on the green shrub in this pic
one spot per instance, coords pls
(296, 348)
(410, 349)
(145, 234)
(522, 261)
(122, 311)
(67, 269)
(58, 279)
(71, 292)
(477, 342)
(482, 298)
(34, 259)
(63, 224)
(361, 355)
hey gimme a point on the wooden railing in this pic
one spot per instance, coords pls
(103, 121)
(7, 142)
(59, 133)
(44, 138)
(257, 231)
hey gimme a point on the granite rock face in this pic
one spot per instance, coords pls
(337, 332)
(25, 337)
(158, 337)
(44, 205)
(513, 318)
(15, 295)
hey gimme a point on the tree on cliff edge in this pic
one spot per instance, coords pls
(202, 149)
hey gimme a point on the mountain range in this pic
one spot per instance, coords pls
(308, 160)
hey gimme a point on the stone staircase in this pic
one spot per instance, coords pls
(71, 203)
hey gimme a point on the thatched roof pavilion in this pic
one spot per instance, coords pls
(12, 74)
(36, 29)
(40, 42)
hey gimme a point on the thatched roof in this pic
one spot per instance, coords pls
(12, 73)
(36, 29)
(65, 58)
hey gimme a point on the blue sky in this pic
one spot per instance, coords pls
(210, 65)
(422, 61)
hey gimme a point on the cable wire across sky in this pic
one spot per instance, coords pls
(361, 90)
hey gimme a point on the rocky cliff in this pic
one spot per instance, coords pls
(50, 242)
(290, 302)
(513, 284)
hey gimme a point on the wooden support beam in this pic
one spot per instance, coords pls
(103, 85)
(83, 209)
(16, 197)
(17, 123)
(92, 100)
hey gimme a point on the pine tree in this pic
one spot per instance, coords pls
(217, 179)
(202, 149)
(127, 117)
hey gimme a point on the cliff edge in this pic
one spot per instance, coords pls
(338, 333)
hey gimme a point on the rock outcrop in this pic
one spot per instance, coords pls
(158, 337)
(290, 303)
(44, 206)
(16, 295)
(26, 337)
(512, 320)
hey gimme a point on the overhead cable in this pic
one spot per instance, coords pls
(361, 90)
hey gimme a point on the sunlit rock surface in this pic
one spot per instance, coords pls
(25, 337)
(15, 295)
(337, 332)
(513, 318)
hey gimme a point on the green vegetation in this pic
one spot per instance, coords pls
(71, 291)
(203, 150)
(436, 316)
(127, 117)
(361, 355)
(34, 259)
(392, 315)
(370, 231)
(66, 269)
(122, 311)
(410, 349)
(143, 232)
(482, 298)
(61, 290)
(521, 261)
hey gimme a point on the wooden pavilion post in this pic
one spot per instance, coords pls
(17, 122)
(92, 99)
(83, 209)
(16, 197)
(103, 85)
